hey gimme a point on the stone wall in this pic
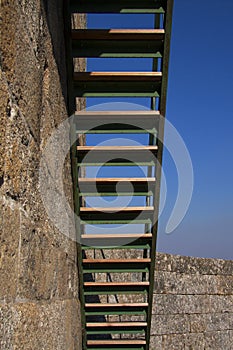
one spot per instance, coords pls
(39, 306)
(193, 304)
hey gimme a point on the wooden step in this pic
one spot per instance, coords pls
(117, 236)
(109, 214)
(116, 114)
(115, 180)
(144, 43)
(108, 288)
(115, 284)
(111, 121)
(115, 209)
(118, 6)
(116, 265)
(117, 84)
(116, 261)
(115, 328)
(118, 76)
(116, 342)
(116, 241)
(116, 324)
(116, 148)
(118, 34)
(95, 309)
(116, 305)
(116, 185)
(103, 154)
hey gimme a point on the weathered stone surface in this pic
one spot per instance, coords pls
(221, 303)
(173, 283)
(9, 242)
(193, 300)
(180, 304)
(194, 341)
(38, 264)
(156, 342)
(42, 321)
(193, 265)
(174, 342)
(218, 340)
(170, 324)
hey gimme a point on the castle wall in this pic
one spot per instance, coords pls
(39, 306)
(193, 304)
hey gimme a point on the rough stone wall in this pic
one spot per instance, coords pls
(193, 304)
(39, 306)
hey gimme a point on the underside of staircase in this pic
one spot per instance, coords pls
(117, 266)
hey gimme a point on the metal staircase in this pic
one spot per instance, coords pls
(116, 280)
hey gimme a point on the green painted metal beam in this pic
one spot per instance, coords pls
(162, 108)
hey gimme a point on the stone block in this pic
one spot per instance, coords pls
(9, 249)
(193, 265)
(221, 303)
(44, 326)
(180, 304)
(45, 270)
(173, 283)
(173, 342)
(170, 324)
(199, 322)
(156, 342)
(220, 322)
(194, 341)
(218, 340)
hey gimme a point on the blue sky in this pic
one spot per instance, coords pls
(200, 106)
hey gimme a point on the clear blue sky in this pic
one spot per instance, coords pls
(200, 106)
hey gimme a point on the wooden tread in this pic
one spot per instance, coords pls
(116, 324)
(118, 34)
(117, 120)
(115, 284)
(116, 185)
(114, 288)
(116, 342)
(116, 236)
(118, 6)
(103, 154)
(117, 148)
(115, 209)
(115, 261)
(118, 76)
(88, 180)
(115, 305)
(109, 214)
(98, 114)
